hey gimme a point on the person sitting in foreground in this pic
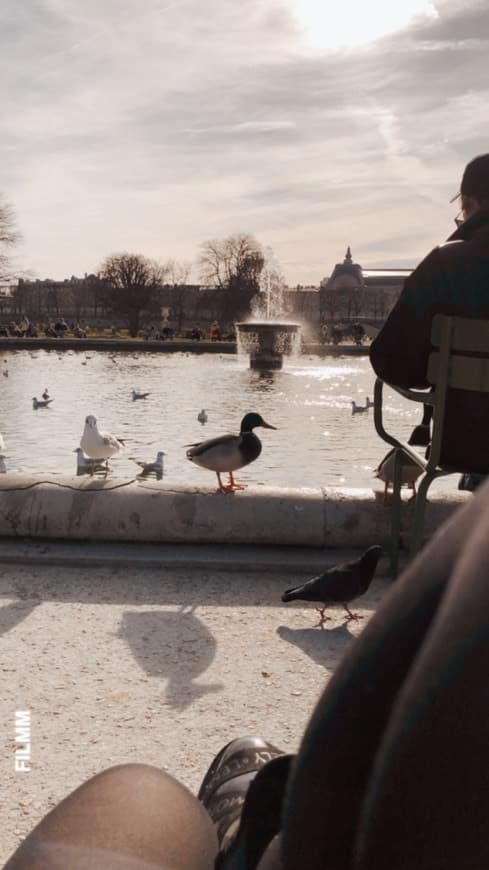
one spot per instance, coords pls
(392, 772)
(452, 279)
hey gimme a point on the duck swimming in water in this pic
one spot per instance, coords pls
(227, 453)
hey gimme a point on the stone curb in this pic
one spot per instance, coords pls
(89, 509)
(228, 558)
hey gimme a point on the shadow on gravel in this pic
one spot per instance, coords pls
(137, 586)
(323, 646)
(175, 646)
(14, 613)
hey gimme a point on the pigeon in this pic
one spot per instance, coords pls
(45, 395)
(339, 584)
(137, 395)
(84, 465)
(155, 467)
(40, 403)
(358, 409)
(98, 445)
(202, 416)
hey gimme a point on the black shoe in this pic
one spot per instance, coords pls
(243, 792)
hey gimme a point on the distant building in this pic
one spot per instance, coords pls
(351, 293)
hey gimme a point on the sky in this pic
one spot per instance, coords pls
(151, 126)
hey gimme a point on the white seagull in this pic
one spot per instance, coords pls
(155, 467)
(99, 445)
(84, 465)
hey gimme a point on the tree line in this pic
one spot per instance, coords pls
(130, 284)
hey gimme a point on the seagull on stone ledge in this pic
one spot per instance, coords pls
(99, 445)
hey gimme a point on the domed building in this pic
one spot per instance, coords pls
(353, 294)
(346, 275)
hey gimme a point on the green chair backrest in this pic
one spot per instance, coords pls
(457, 361)
(460, 360)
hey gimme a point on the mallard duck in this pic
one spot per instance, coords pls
(98, 445)
(410, 472)
(227, 453)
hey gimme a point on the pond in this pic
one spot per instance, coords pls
(318, 440)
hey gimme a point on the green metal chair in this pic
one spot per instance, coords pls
(456, 362)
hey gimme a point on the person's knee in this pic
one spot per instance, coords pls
(129, 809)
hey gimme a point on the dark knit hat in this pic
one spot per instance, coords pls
(475, 180)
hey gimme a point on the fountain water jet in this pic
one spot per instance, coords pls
(268, 338)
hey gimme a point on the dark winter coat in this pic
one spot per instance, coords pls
(452, 279)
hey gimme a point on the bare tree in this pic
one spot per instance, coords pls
(9, 236)
(131, 281)
(233, 264)
(176, 275)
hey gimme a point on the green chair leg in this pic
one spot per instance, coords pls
(419, 513)
(396, 515)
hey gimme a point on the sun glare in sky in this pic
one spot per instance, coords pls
(330, 24)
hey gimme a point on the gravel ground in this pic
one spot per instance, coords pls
(157, 666)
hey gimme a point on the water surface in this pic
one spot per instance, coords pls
(318, 441)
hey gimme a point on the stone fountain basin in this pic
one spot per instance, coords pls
(268, 339)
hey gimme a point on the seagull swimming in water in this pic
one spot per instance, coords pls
(155, 467)
(202, 416)
(99, 445)
(45, 395)
(137, 395)
(40, 403)
(358, 409)
(3, 466)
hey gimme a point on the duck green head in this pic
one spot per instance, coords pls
(252, 420)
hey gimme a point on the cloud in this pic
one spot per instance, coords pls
(153, 126)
